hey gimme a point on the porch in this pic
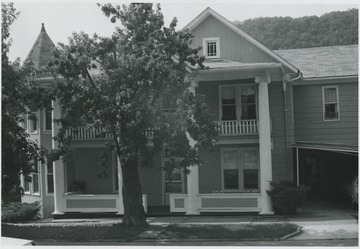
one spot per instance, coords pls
(218, 202)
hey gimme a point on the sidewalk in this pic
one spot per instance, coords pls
(313, 227)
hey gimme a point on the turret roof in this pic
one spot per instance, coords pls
(42, 50)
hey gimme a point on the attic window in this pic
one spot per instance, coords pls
(211, 47)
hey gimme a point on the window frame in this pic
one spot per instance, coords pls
(115, 172)
(337, 103)
(23, 184)
(45, 110)
(38, 193)
(238, 104)
(46, 179)
(240, 167)
(34, 132)
(205, 47)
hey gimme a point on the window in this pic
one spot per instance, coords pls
(26, 185)
(33, 123)
(211, 47)
(331, 103)
(228, 102)
(35, 178)
(240, 170)
(48, 118)
(230, 170)
(49, 178)
(248, 102)
(238, 102)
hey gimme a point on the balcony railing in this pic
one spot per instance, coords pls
(226, 128)
(87, 133)
(238, 127)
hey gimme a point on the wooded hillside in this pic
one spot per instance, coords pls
(331, 29)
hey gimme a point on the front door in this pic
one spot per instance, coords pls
(173, 183)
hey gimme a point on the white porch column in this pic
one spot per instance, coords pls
(193, 186)
(264, 144)
(120, 183)
(58, 166)
(193, 176)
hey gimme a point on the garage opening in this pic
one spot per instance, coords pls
(326, 172)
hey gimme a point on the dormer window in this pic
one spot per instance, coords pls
(211, 47)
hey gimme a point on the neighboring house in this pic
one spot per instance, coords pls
(278, 112)
(326, 117)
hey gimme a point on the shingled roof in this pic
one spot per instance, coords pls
(42, 50)
(318, 62)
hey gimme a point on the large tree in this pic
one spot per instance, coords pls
(142, 85)
(19, 153)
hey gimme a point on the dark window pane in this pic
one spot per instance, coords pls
(228, 101)
(27, 186)
(330, 111)
(48, 120)
(35, 183)
(228, 113)
(231, 179)
(173, 187)
(248, 111)
(251, 179)
(50, 182)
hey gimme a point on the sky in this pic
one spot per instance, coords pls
(63, 17)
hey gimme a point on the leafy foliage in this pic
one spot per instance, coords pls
(287, 197)
(141, 66)
(331, 29)
(19, 212)
(18, 99)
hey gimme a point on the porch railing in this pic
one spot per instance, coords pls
(238, 127)
(86, 133)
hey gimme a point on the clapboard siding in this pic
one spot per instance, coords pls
(281, 168)
(309, 123)
(232, 46)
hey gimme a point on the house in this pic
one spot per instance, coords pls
(283, 115)
(326, 117)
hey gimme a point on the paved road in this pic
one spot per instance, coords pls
(335, 242)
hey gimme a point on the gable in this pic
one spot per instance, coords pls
(232, 46)
(235, 44)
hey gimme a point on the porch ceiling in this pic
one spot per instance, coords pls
(229, 70)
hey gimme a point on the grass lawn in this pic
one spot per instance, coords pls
(93, 232)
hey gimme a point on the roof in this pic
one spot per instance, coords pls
(208, 11)
(326, 146)
(318, 62)
(42, 50)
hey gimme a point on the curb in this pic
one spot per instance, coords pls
(298, 231)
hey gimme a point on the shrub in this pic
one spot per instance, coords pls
(19, 212)
(287, 197)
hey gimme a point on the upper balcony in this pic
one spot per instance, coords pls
(226, 128)
(238, 127)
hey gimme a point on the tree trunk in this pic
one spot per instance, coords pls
(134, 214)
